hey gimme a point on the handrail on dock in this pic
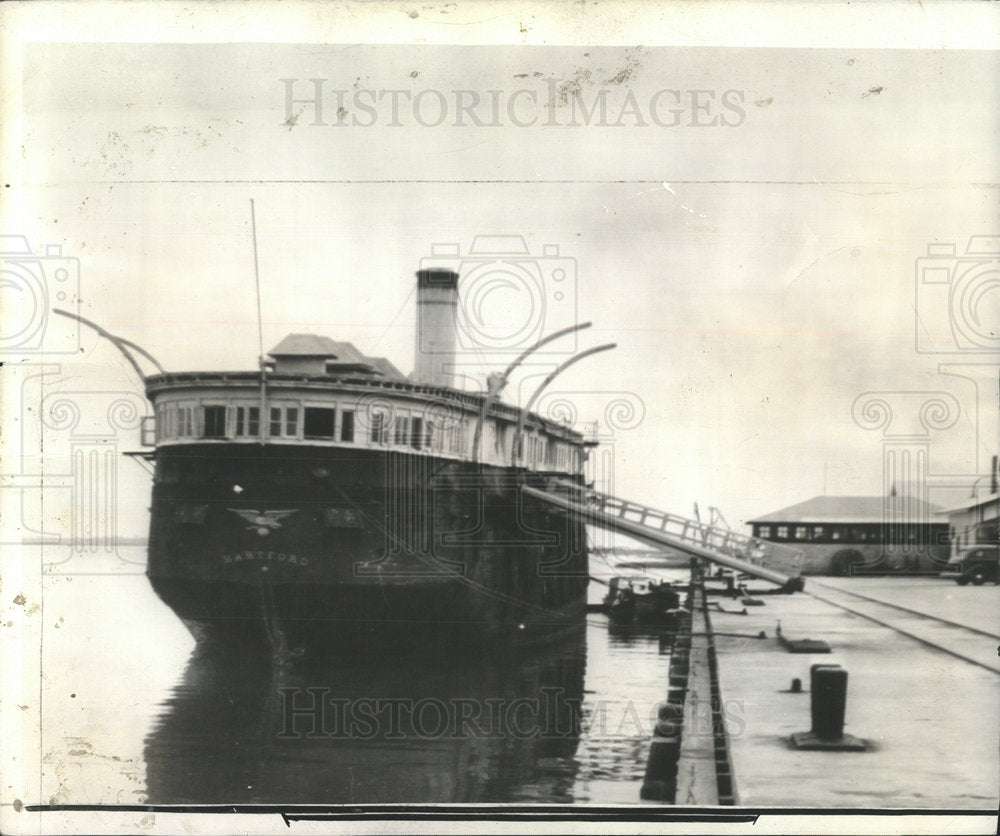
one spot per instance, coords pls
(769, 561)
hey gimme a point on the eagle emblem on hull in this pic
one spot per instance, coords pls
(263, 522)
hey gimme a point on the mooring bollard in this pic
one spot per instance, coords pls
(828, 702)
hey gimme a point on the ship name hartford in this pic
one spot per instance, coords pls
(280, 557)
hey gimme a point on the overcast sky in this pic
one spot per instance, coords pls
(745, 224)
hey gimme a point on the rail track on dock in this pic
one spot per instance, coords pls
(972, 645)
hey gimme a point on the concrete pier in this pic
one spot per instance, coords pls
(931, 721)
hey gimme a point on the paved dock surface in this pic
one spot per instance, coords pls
(932, 719)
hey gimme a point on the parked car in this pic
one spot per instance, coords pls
(976, 565)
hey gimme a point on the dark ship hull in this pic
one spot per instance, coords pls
(305, 547)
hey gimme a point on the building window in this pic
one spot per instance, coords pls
(319, 422)
(417, 433)
(835, 534)
(782, 532)
(801, 532)
(248, 421)
(817, 532)
(764, 531)
(275, 426)
(347, 425)
(214, 422)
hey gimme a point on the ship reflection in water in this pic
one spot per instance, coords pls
(417, 727)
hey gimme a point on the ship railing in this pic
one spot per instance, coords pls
(758, 552)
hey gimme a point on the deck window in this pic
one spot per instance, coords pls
(347, 425)
(214, 422)
(248, 421)
(283, 421)
(401, 430)
(185, 423)
(319, 422)
(377, 434)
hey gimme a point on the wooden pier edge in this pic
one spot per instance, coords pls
(689, 762)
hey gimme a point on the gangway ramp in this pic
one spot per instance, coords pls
(762, 559)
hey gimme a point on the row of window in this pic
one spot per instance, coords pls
(401, 429)
(801, 532)
(873, 533)
(283, 422)
(317, 423)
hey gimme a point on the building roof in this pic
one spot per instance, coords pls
(313, 345)
(854, 509)
(974, 503)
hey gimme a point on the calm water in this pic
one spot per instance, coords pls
(132, 712)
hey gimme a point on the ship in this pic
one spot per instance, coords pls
(327, 500)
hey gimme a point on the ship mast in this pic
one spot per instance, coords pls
(262, 422)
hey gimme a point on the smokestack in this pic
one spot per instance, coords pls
(437, 308)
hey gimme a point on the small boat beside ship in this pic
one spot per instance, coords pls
(641, 600)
